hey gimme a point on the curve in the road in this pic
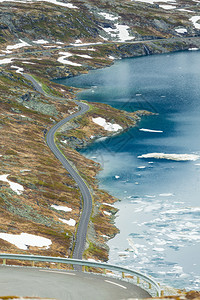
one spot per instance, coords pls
(86, 195)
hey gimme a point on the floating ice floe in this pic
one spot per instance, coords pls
(117, 176)
(150, 130)
(19, 69)
(24, 240)
(16, 187)
(141, 167)
(18, 45)
(181, 30)
(166, 194)
(106, 125)
(195, 20)
(6, 61)
(193, 49)
(177, 157)
(63, 208)
(70, 222)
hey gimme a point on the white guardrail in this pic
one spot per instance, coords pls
(146, 282)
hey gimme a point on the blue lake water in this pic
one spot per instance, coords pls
(159, 210)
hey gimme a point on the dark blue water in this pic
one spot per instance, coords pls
(159, 211)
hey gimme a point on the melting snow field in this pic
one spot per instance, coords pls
(106, 125)
(16, 187)
(24, 240)
(63, 208)
(70, 222)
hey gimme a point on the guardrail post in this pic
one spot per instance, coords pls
(123, 275)
(162, 293)
(33, 263)
(104, 271)
(58, 266)
(138, 279)
(150, 285)
(4, 261)
(83, 268)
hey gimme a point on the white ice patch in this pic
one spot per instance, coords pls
(141, 167)
(166, 195)
(23, 240)
(117, 176)
(40, 42)
(63, 208)
(181, 30)
(150, 130)
(106, 125)
(85, 56)
(153, 1)
(19, 70)
(63, 59)
(85, 44)
(107, 213)
(108, 16)
(18, 45)
(167, 6)
(16, 187)
(6, 61)
(70, 222)
(111, 57)
(176, 157)
(195, 20)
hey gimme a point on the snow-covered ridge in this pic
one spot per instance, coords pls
(195, 20)
(16, 187)
(106, 125)
(177, 157)
(24, 240)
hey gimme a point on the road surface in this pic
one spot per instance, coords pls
(64, 285)
(86, 195)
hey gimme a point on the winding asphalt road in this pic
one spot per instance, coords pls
(86, 195)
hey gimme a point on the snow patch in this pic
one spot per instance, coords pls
(18, 45)
(63, 208)
(167, 6)
(6, 61)
(193, 49)
(63, 59)
(19, 70)
(16, 187)
(70, 222)
(106, 125)
(23, 240)
(195, 20)
(108, 16)
(181, 30)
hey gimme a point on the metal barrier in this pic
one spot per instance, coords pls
(140, 278)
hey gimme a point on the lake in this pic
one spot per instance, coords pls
(159, 210)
